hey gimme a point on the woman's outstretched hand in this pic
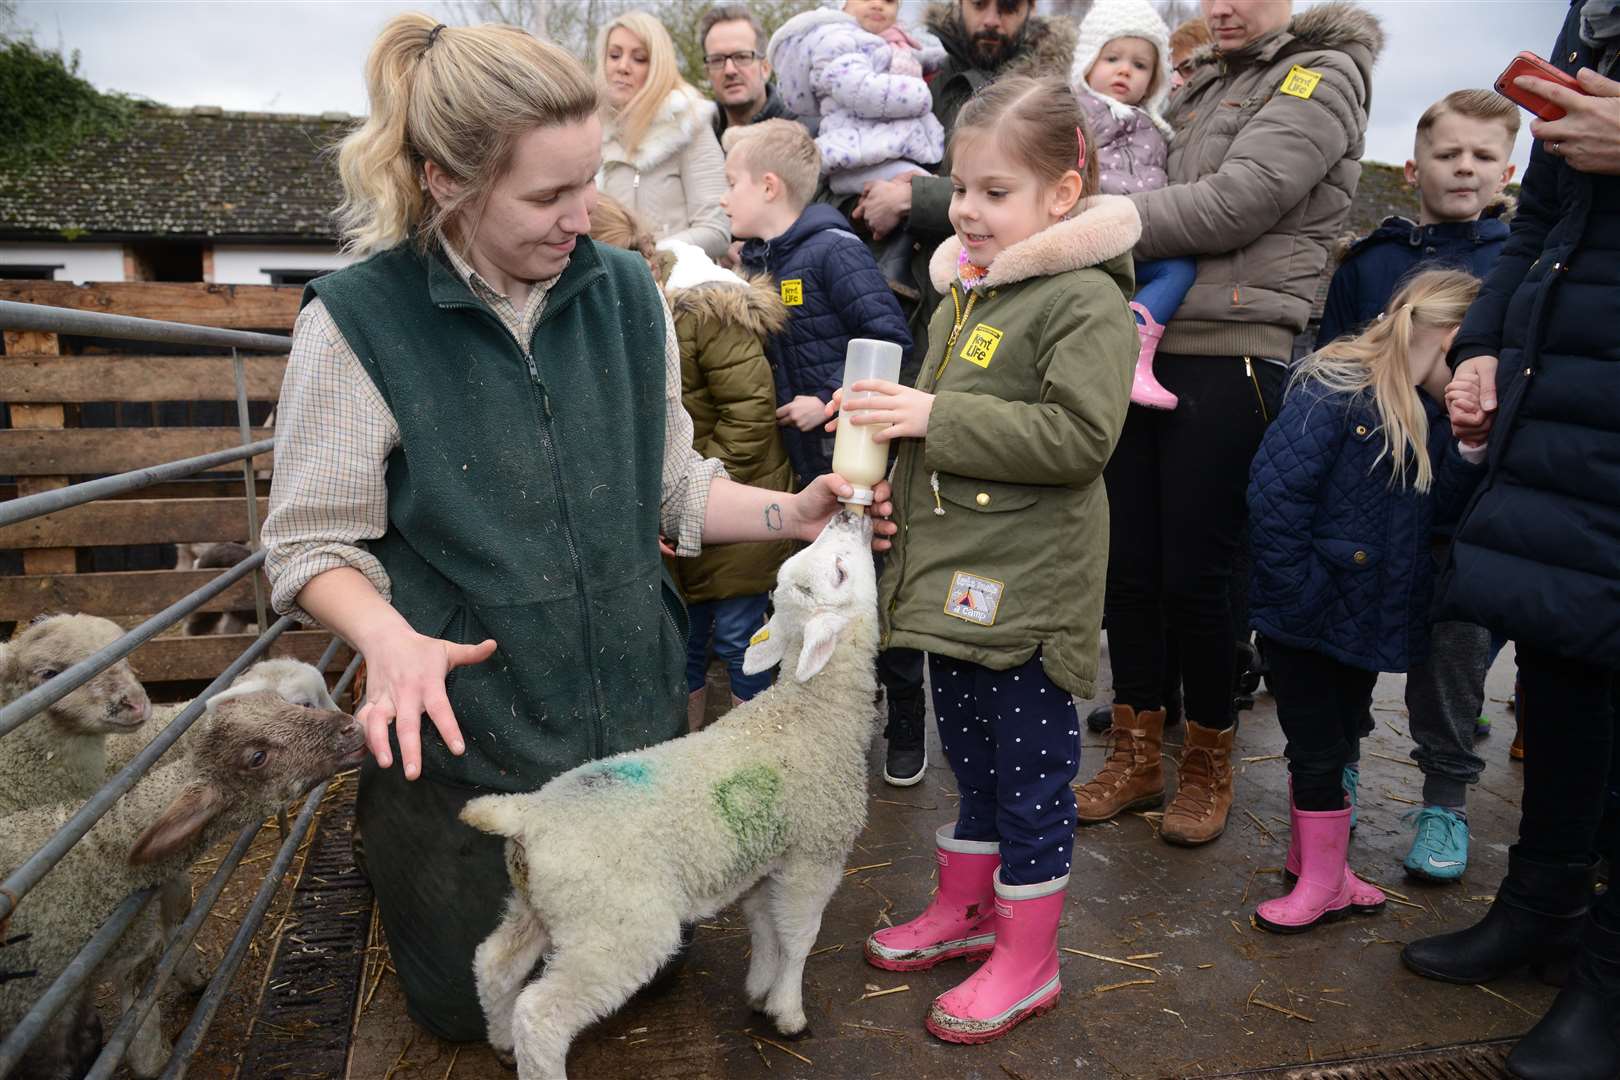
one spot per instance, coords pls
(810, 510)
(405, 673)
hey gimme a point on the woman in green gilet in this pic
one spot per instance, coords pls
(480, 442)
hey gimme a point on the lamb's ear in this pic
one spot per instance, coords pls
(820, 638)
(197, 804)
(764, 649)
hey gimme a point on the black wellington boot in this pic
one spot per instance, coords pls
(1535, 921)
(1576, 1039)
(907, 756)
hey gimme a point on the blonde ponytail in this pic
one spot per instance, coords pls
(459, 96)
(1376, 364)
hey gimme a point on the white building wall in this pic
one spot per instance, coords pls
(251, 265)
(78, 262)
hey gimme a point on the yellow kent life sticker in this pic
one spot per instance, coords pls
(981, 345)
(793, 292)
(974, 599)
(762, 634)
(1300, 82)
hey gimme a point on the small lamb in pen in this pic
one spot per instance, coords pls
(253, 755)
(63, 751)
(609, 859)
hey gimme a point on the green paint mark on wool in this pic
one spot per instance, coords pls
(750, 803)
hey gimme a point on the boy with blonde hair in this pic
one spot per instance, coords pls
(1460, 165)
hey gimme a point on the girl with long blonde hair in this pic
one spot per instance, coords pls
(660, 156)
(1348, 483)
(441, 458)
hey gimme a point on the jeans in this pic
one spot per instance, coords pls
(1162, 284)
(731, 622)
(1321, 704)
(1177, 514)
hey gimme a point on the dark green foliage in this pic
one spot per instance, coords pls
(46, 108)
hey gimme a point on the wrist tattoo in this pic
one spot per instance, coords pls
(773, 517)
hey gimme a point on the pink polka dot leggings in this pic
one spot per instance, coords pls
(1013, 740)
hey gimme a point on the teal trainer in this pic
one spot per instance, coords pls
(1352, 780)
(1440, 849)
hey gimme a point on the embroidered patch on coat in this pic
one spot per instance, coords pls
(1300, 82)
(793, 292)
(981, 345)
(973, 598)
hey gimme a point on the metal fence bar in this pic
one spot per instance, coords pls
(112, 1054)
(186, 1045)
(79, 969)
(26, 876)
(249, 486)
(49, 502)
(55, 320)
(47, 694)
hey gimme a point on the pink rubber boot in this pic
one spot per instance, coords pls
(1145, 389)
(1362, 895)
(1326, 889)
(958, 921)
(1019, 980)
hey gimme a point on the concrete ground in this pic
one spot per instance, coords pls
(1210, 994)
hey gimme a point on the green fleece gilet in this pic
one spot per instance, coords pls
(523, 505)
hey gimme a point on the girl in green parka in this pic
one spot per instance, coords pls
(998, 567)
(721, 322)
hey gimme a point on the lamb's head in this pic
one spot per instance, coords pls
(820, 592)
(251, 756)
(111, 702)
(291, 680)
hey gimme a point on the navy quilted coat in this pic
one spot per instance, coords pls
(1537, 556)
(1342, 564)
(834, 292)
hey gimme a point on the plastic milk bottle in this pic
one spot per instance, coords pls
(855, 456)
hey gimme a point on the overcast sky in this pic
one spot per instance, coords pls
(306, 55)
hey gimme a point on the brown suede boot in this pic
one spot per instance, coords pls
(1132, 776)
(1197, 813)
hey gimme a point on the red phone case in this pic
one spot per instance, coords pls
(1528, 63)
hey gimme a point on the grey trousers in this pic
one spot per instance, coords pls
(1444, 696)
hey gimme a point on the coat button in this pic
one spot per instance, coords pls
(1361, 429)
(1360, 557)
(1574, 56)
(983, 498)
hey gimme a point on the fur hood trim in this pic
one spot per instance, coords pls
(1106, 227)
(752, 304)
(1046, 50)
(698, 285)
(1338, 25)
(682, 114)
(1112, 19)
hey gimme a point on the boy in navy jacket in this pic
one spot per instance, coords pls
(1459, 167)
(832, 287)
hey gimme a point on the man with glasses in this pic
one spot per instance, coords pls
(734, 58)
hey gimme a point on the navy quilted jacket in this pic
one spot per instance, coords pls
(1380, 261)
(834, 292)
(1342, 564)
(1537, 556)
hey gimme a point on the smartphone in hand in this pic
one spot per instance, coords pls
(1528, 63)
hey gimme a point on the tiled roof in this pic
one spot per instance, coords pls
(198, 172)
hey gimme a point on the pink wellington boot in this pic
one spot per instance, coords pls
(958, 921)
(1361, 893)
(1145, 389)
(1019, 980)
(1326, 889)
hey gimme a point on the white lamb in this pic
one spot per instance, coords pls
(62, 752)
(608, 860)
(252, 756)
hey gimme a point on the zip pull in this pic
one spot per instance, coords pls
(1248, 368)
(545, 399)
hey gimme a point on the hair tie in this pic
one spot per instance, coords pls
(433, 35)
(1080, 163)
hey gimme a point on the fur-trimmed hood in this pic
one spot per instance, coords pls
(682, 115)
(1044, 50)
(1106, 227)
(696, 284)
